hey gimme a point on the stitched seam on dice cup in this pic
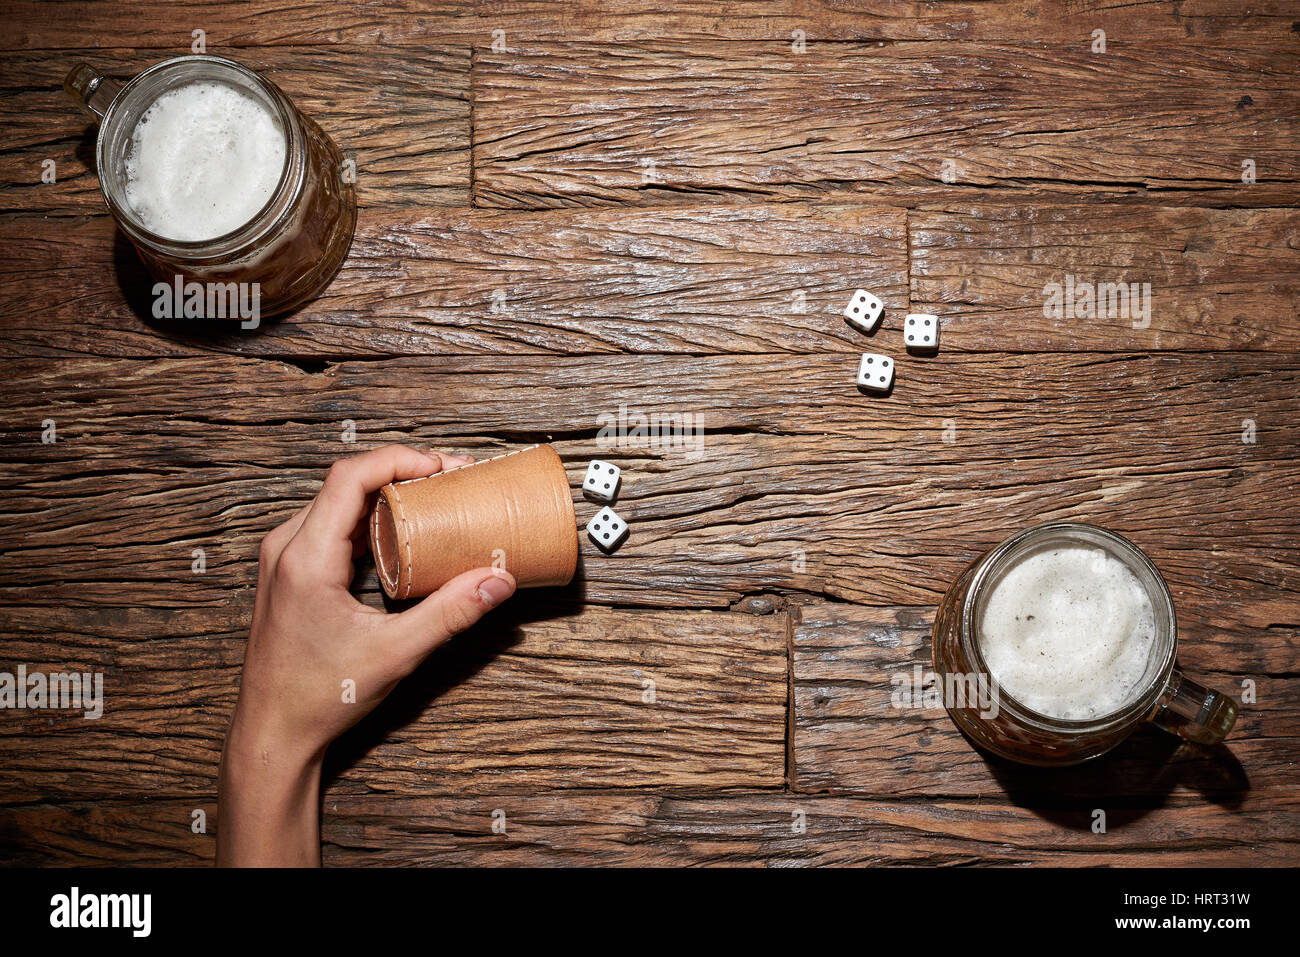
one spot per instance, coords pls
(379, 552)
(406, 536)
(406, 529)
(503, 455)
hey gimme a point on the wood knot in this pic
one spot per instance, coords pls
(755, 605)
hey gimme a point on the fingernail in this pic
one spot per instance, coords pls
(496, 589)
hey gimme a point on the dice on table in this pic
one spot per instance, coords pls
(601, 483)
(875, 372)
(921, 331)
(864, 311)
(607, 530)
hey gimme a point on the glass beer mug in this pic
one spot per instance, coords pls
(291, 247)
(1157, 692)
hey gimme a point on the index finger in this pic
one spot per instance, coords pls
(341, 504)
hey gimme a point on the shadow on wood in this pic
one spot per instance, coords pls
(136, 287)
(453, 663)
(1215, 773)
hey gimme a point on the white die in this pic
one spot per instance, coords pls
(607, 530)
(921, 331)
(864, 311)
(601, 483)
(875, 372)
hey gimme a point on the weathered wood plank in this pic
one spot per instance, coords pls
(708, 279)
(850, 737)
(1014, 277)
(402, 116)
(758, 829)
(592, 124)
(805, 488)
(802, 484)
(121, 834)
(670, 829)
(170, 22)
(534, 697)
(1064, 21)
(762, 278)
(703, 536)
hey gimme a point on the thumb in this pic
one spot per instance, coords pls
(451, 609)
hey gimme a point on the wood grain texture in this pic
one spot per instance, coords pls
(773, 582)
(803, 485)
(1212, 279)
(729, 279)
(403, 120)
(257, 23)
(536, 696)
(681, 829)
(410, 22)
(699, 280)
(849, 735)
(1063, 21)
(590, 124)
(757, 829)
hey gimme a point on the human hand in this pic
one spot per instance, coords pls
(309, 637)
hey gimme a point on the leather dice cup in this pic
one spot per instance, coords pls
(515, 509)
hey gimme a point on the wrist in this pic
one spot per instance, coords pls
(269, 800)
(259, 747)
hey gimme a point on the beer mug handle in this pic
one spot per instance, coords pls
(1193, 711)
(91, 89)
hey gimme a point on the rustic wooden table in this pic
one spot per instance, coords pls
(572, 209)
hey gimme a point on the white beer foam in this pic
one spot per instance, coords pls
(205, 157)
(1068, 632)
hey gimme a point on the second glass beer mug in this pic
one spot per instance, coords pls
(290, 245)
(1081, 697)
